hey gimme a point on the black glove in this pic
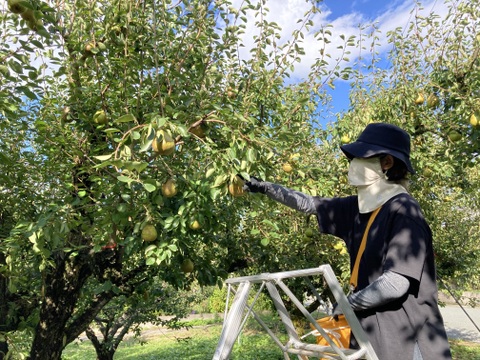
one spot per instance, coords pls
(336, 311)
(255, 185)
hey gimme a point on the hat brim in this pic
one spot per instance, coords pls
(359, 149)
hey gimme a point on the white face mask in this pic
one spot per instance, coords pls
(364, 172)
(373, 188)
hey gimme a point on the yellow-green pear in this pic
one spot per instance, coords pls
(420, 99)
(474, 119)
(163, 144)
(149, 233)
(100, 117)
(169, 188)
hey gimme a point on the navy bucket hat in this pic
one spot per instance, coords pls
(378, 139)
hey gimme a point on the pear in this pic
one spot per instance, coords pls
(427, 172)
(187, 266)
(198, 131)
(163, 144)
(420, 99)
(474, 119)
(35, 25)
(28, 15)
(235, 188)
(433, 101)
(195, 225)
(454, 135)
(149, 233)
(169, 188)
(287, 167)
(100, 118)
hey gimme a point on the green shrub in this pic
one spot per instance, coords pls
(218, 298)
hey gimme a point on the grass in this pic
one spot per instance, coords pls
(465, 350)
(199, 343)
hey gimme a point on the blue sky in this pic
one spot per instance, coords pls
(369, 8)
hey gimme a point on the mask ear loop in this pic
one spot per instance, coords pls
(385, 172)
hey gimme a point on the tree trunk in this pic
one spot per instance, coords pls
(59, 325)
(3, 349)
(103, 351)
(105, 354)
(3, 309)
(62, 289)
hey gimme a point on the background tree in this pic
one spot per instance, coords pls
(157, 304)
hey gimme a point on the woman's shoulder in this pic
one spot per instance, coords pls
(405, 204)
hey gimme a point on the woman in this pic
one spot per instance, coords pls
(395, 298)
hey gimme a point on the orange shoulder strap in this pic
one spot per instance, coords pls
(363, 244)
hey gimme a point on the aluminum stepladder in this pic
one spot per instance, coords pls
(240, 310)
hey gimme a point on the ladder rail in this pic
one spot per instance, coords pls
(231, 329)
(280, 275)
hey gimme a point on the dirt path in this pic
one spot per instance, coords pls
(459, 325)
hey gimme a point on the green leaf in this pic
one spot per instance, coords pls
(37, 43)
(209, 172)
(251, 155)
(160, 120)
(27, 92)
(111, 130)
(17, 67)
(150, 248)
(125, 179)
(215, 193)
(125, 118)
(137, 166)
(103, 157)
(149, 187)
(147, 139)
(219, 180)
(5, 159)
